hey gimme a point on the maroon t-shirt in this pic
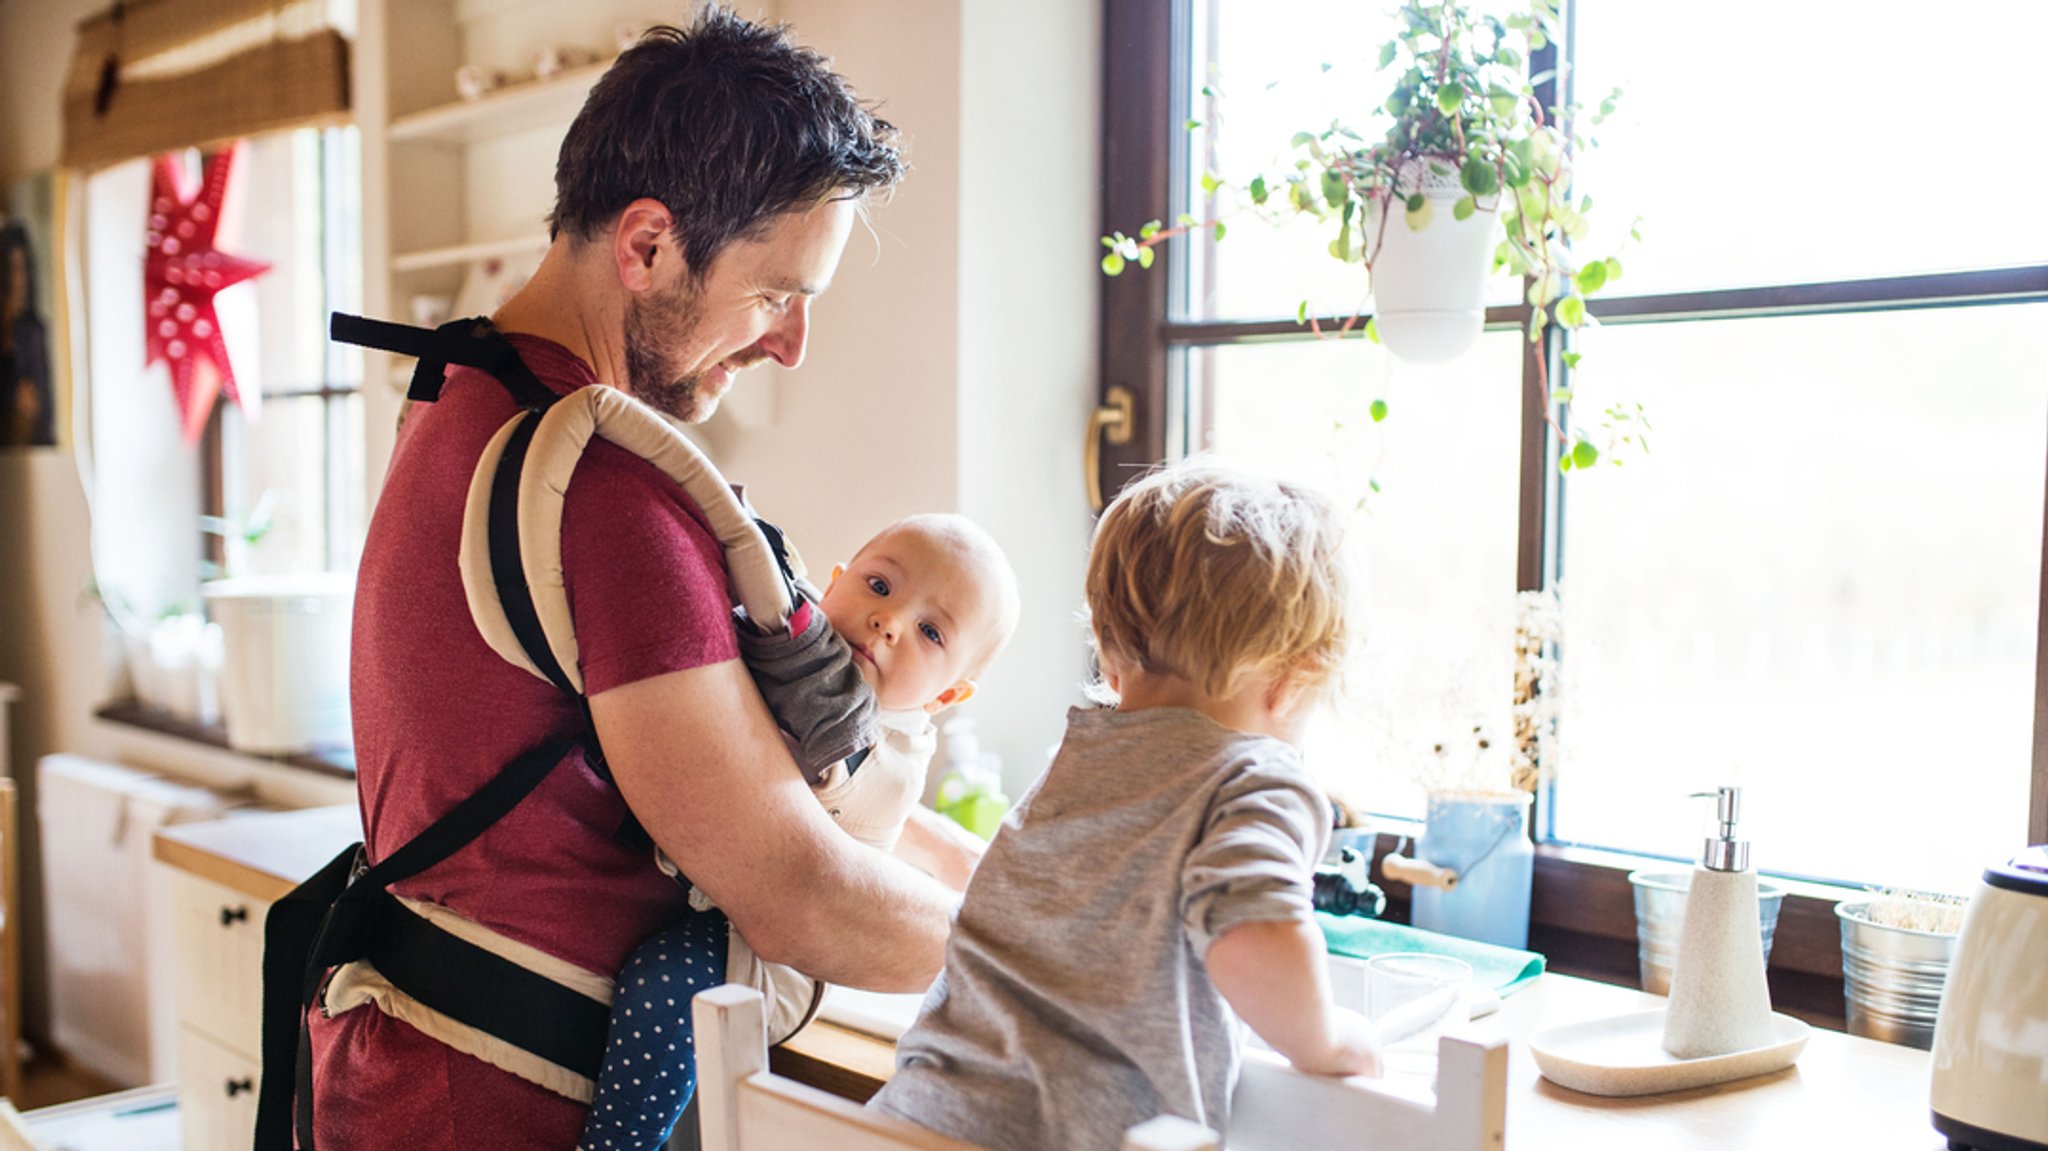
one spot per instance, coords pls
(437, 713)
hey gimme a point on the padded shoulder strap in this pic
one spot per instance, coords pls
(558, 443)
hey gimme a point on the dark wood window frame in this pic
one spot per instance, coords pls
(1582, 915)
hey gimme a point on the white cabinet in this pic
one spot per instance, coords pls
(223, 877)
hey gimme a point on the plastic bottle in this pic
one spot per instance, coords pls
(1720, 1002)
(971, 790)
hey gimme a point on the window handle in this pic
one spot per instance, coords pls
(230, 916)
(1115, 421)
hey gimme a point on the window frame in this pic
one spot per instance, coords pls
(1582, 910)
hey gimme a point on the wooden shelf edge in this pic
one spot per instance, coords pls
(338, 763)
(459, 254)
(512, 106)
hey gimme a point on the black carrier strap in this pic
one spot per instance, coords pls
(346, 912)
(471, 342)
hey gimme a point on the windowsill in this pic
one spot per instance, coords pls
(336, 762)
(1582, 918)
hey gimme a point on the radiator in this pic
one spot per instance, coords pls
(109, 930)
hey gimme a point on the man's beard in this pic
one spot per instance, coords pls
(655, 328)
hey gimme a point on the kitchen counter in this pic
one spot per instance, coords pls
(1844, 1091)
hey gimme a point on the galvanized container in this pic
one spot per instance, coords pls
(1660, 913)
(1892, 977)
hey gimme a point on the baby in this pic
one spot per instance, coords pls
(924, 607)
(1154, 887)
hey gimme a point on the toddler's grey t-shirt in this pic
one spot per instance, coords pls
(1074, 1002)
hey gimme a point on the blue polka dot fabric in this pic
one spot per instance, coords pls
(650, 1059)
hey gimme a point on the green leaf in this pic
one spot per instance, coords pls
(1113, 264)
(1449, 97)
(1335, 190)
(1301, 312)
(1150, 230)
(1374, 484)
(1210, 183)
(1571, 311)
(1419, 212)
(1145, 257)
(1219, 229)
(1110, 241)
(1340, 248)
(1388, 51)
(1584, 455)
(1193, 124)
(1258, 189)
(1302, 139)
(1463, 209)
(1592, 277)
(1571, 360)
(1379, 410)
(1479, 177)
(1507, 57)
(1613, 268)
(1184, 220)
(1372, 329)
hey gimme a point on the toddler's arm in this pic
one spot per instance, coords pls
(1275, 975)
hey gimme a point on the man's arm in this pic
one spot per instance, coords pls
(704, 769)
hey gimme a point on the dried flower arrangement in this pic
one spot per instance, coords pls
(1475, 760)
(1915, 911)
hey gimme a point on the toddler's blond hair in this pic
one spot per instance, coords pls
(1205, 572)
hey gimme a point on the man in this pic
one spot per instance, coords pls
(703, 198)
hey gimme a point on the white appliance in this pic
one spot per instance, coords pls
(108, 912)
(1990, 1085)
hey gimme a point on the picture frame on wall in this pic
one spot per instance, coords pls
(35, 390)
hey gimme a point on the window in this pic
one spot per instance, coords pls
(1825, 582)
(272, 486)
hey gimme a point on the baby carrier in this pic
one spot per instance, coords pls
(342, 939)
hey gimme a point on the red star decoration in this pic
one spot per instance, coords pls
(180, 275)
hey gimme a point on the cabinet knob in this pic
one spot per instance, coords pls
(229, 916)
(237, 1086)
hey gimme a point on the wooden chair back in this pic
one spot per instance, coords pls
(742, 1106)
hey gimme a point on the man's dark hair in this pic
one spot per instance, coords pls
(729, 124)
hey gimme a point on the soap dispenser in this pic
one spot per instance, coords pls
(1719, 1000)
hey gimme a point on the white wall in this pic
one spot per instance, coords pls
(952, 363)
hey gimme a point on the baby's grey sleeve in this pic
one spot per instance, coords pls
(812, 688)
(1256, 858)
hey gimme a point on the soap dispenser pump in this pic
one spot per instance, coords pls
(1720, 1002)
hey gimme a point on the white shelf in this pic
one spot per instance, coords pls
(460, 254)
(513, 108)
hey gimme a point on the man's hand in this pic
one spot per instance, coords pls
(939, 847)
(704, 769)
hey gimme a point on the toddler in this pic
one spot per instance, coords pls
(923, 607)
(1153, 888)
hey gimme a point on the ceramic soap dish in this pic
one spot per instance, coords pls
(1624, 1055)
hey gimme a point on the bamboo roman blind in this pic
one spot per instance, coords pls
(156, 75)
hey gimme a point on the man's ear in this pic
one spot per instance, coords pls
(959, 693)
(640, 239)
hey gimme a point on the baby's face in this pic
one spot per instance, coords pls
(918, 616)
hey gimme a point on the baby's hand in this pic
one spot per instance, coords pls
(1354, 1047)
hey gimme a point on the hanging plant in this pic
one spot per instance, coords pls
(1473, 174)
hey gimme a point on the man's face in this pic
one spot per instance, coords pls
(917, 613)
(686, 340)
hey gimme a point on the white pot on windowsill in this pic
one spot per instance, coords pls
(1429, 284)
(284, 673)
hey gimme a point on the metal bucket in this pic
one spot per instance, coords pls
(1660, 913)
(1892, 977)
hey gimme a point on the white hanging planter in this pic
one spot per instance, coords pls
(1429, 285)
